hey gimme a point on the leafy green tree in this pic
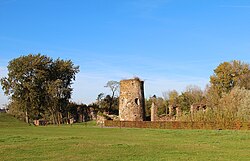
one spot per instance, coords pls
(24, 82)
(62, 72)
(39, 85)
(104, 104)
(227, 75)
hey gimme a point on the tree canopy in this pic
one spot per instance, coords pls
(229, 74)
(40, 85)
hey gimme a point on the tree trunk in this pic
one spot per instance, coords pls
(58, 118)
(26, 116)
(53, 118)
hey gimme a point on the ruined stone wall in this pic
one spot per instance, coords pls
(198, 107)
(154, 110)
(131, 100)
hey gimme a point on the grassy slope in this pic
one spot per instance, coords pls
(80, 142)
(7, 120)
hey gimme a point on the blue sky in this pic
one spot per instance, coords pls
(168, 43)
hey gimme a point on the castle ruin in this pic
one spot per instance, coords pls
(154, 110)
(131, 100)
(198, 107)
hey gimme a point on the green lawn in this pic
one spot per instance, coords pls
(84, 142)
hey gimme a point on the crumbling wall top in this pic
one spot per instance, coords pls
(132, 79)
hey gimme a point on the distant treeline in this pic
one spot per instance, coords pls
(40, 88)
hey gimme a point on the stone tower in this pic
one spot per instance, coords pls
(131, 100)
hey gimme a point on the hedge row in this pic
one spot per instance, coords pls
(178, 125)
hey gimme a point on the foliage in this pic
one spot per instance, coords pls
(226, 98)
(16, 110)
(81, 112)
(236, 104)
(226, 76)
(171, 96)
(229, 74)
(212, 96)
(193, 94)
(105, 102)
(159, 102)
(109, 103)
(112, 100)
(148, 104)
(244, 80)
(40, 86)
(232, 107)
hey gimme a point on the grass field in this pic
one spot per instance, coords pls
(19, 141)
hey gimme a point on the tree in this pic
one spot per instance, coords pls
(99, 97)
(229, 74)
(193, 94)
(171, 96)
(244, 81)
(114, 87)
(161, 106)
(24, 81)
(212, 96)
(148, 104)
(39, 85)
(59, 90)
(232, 107)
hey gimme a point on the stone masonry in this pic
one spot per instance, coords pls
(154, 110)
(131, 100)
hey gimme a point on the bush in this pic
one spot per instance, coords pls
(233, 107)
